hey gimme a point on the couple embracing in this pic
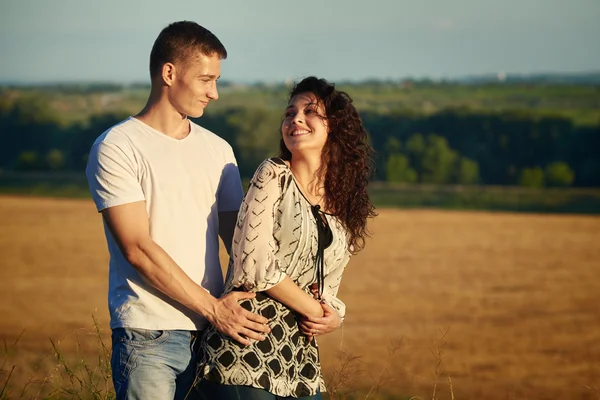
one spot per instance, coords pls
(167, 190)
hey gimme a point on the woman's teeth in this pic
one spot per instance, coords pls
(300, 132)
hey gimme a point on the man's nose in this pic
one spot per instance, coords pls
(213, 93)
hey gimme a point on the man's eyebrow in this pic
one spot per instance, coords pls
(209, 76)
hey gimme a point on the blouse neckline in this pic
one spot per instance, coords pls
(319, 209)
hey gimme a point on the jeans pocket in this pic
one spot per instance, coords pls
(141, 337)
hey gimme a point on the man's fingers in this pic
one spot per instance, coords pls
(242, 295)
(251, 334)
(254, 317)
(235, 336)
(256, 327)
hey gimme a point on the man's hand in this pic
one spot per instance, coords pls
(230, 318)
(313, 326)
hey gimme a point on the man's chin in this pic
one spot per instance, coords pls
(196, 114)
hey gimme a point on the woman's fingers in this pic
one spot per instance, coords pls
(311, 325)
(317, 320)
(324, 325)
(308, 328)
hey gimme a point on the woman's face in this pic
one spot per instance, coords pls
(304, 126)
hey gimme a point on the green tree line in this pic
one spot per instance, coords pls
(448, 147)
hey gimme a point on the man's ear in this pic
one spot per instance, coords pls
(168, 74)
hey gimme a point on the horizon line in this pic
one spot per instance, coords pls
(499, 76)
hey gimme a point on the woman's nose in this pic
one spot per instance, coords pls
(296, 118)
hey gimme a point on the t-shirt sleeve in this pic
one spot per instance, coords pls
(255, 264)
(112, 176)
(230, 192)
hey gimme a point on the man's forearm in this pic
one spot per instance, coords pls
(288, 293)
(161, 271)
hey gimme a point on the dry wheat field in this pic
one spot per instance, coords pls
(465, 305)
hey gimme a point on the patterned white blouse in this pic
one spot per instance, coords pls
(276, 235)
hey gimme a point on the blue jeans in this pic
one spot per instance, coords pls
(151, 365)
(210, 391)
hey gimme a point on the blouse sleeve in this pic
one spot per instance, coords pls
(331, 287)
(331, 284)
(255, 266)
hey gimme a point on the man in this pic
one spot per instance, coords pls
(167, 189)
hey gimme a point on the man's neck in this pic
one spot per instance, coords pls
(160, 115)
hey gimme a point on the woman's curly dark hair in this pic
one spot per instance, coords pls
(346, 160)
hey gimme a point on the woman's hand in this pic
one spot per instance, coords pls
(314, 326)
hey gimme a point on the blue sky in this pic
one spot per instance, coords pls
(274, 40)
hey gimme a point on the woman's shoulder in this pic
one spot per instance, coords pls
(271, 168)
(277, 161)
(273, 164)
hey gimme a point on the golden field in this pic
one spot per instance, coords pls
(500, 306)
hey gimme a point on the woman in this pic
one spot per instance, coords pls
(304, 214)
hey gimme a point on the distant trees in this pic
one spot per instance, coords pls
(532, 177)
(455, 146)
(30, 160)
(428, 159)
(398, 164)
(488, 148)
(399, 170)
(55, 159)
(467, 171)
(559, 174)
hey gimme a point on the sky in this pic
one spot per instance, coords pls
(277, 40)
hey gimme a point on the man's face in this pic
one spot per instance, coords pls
(195, 84)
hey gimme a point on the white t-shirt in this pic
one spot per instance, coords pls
(185, 184)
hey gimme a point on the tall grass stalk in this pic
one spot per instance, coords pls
(76, 378)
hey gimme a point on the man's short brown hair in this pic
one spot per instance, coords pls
(180, 41)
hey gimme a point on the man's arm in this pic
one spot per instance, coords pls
(129, 226)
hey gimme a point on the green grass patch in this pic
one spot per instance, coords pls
(495, 198)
